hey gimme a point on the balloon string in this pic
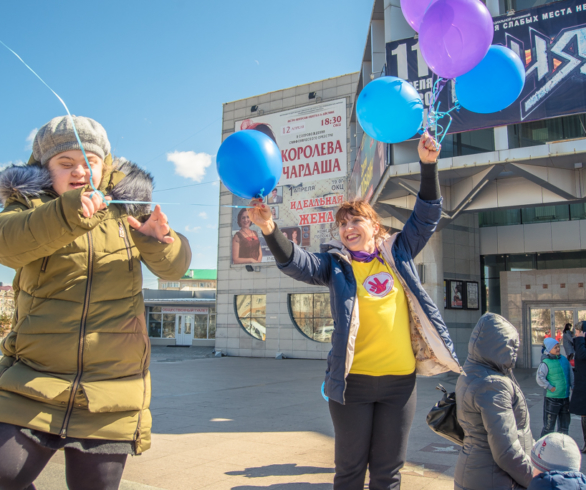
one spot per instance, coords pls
(94, 190)
(70, 117)
(435, 115)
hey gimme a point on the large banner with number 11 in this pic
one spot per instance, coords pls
(550, 40)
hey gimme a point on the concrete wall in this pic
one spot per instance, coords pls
(461, 261)
(282, 335)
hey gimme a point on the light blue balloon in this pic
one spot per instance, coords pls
(494, 84)
(249, 164)
(389, 110)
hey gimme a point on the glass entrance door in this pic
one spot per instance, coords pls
(183, 329)
(550, 322)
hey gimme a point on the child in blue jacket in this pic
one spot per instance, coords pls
(556, 461)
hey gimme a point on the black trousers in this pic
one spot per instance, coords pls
(372, 430)
(22, 460)
(556, 409)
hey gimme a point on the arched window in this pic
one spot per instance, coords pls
(311, 314)
(251, 311)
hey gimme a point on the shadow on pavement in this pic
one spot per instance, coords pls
(279, 470)
(288, 486)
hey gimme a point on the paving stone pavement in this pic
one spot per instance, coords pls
(244, 424)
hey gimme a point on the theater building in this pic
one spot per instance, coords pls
(512, 239)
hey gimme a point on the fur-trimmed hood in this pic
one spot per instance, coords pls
(34, 180)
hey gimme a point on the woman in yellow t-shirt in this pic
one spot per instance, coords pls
(385, 326)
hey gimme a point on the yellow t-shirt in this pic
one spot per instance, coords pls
(383, 343)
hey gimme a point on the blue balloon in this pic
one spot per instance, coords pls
(249, 164)
(389, 110)
(494, 84)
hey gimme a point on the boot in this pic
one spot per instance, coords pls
(584, 433)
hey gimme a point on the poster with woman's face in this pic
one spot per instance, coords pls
(293, 233)
(456, 294)
(248, 244)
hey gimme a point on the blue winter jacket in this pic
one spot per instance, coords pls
(432, 346)
(559, 481)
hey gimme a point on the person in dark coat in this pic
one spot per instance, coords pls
(492, 412)
(578, 400)
(568, 341)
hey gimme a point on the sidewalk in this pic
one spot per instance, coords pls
(243, 424)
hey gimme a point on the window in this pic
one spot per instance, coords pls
(162, 325)
(468, 143)
(212, 323)
(251, 311)
(547, 130)
(544, 214)
(311, 314)
(499, 217)
(578, 211)
(154, 321)
(521, 4)
(526, 216)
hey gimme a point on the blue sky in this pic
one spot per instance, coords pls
(155, 75)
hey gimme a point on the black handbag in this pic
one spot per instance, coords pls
(443, 420)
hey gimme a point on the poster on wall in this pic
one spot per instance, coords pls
(312, 140)
(306, 215)
(549, 40)
(368, 169)
(456, 294)
(472, 296)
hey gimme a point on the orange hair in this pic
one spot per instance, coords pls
(360, 207)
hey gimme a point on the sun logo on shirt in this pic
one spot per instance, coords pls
(379, 285)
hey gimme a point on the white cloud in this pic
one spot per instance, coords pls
(212, 227)
(14, 162)
(192, 229)
(30, 138)
(203, 215)
(189, 164)
(215, 182)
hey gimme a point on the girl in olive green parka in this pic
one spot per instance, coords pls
(75, 369)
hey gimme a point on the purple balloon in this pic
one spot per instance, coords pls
(455, 36)
(414, 10)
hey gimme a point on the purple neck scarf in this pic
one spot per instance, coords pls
(366, 257)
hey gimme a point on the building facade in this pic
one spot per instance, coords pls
(261, 312)
(193, 280)
(512, 239)
(183, 318)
